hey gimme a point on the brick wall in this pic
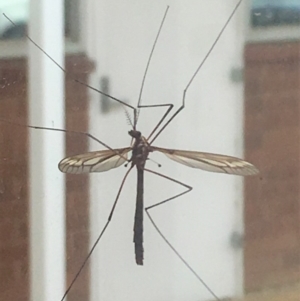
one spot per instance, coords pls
(14, 202)
(272, 142)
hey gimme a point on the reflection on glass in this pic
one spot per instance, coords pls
(275, 12)
(18, 11)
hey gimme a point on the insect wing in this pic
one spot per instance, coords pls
(97, 161)
(210, 162)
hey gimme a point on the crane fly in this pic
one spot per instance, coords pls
(99, 161)
(141, 147)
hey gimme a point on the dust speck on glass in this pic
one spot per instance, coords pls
(18, 11)
(275, 13)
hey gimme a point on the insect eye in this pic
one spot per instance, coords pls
(134, 134)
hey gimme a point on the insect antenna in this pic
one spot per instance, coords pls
(193, 76)
(129, 122)
(128, 118)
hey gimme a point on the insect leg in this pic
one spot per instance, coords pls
(197, 71)
(69, 75)
(62, 130)
(189, 188)
(99, 237)
(139, 106)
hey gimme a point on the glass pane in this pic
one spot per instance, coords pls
(18, 11)
(275, 12)
(244, 102)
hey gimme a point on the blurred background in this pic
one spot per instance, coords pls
(242, 236)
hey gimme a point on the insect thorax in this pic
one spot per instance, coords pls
(140, 149)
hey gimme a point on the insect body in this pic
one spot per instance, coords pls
(108, 159)
(140, 152)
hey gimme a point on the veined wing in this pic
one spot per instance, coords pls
(97, 161)
(210, 162)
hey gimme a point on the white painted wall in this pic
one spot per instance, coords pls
(119, 36)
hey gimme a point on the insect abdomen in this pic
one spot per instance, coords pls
(138, 219)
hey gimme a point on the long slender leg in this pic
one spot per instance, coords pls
(170, 107)
(180, 257)
(70, 75)
(149, 59)
(196, 72)
(62, 130)
(189, 188)
(99, 237)
(139, 106)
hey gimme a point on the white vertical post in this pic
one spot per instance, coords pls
(46, 108)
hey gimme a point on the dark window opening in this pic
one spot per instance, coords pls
(266, 13)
